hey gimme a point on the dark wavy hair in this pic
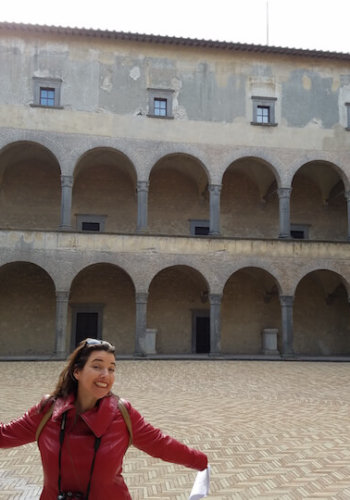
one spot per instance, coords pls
(67, 383)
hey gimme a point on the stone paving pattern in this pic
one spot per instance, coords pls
(272, 430)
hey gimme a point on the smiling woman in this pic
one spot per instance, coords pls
(86, 435)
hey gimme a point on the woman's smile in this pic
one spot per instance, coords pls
(95, 380)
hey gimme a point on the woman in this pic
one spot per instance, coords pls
(83, 443)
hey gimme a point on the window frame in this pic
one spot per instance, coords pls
(160, 95)
(47, 84)
(194, 223)
(347, 104)
(264, 102)
(90, 218)
(300, 227)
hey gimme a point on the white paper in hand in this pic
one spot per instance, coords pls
(201, 485)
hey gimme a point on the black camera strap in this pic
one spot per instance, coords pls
(96, 446)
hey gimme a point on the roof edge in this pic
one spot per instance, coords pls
(173, 40)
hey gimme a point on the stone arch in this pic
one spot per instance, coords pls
(175, 294)
(321, 314)
(52, 144)
(249, 199)
(27, 310)
(178, 194)
(163, 150)
(103, 293)
(271, 161)
(250, 304)
(321, 157)
(104, 187)
(318, 200)
(30, 187)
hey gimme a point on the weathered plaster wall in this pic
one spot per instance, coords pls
(104, 91)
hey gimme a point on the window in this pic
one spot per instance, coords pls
(199, 227)
(160, 107)
(299, 231)
(90, 226)
(264, 111)
(160, 103)
(91, 223)
(347, 104)
(47, 96)
(47, 92)
(263, 114)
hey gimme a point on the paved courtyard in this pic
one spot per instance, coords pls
(272, 430)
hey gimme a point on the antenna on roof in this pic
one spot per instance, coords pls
(267, 22)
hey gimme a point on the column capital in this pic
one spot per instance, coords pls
(286, 300)
(62, 295)
(142, 186)
(214, 188)
(66, 181)
(284, 192)
(215, 299)
(141, 297)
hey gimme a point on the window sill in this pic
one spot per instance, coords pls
(264, 124)
(161, 117)
(45, 107)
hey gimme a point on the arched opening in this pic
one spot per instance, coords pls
(27, 310)
(318, 205)
(102, 303)
(321, 315)
(178, 195)
(250, 305)
(30, 195)
(104, 193)
(178, 308)
(249, 200)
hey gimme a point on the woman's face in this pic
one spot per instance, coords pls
(96, 379)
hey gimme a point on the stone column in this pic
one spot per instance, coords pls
(66, 202)
(215, 323)
(141, 320)
(61, 323)
(142, 206)
(287, 324)
(214, 224)
(347, 196)
(284, 206)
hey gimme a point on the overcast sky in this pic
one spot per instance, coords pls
(307, 24)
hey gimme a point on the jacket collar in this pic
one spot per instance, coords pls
(98, 419)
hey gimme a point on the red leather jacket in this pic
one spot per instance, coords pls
(104, 420)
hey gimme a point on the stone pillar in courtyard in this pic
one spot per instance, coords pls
(141, 320)
(347, 196)
(142, 206)
(215, 323)
(284, 212)
(62, 298)
(214, 223)
(66, 202)
(287, 324)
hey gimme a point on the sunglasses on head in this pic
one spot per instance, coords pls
(93, 342)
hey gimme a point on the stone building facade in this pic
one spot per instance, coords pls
(174, 196)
